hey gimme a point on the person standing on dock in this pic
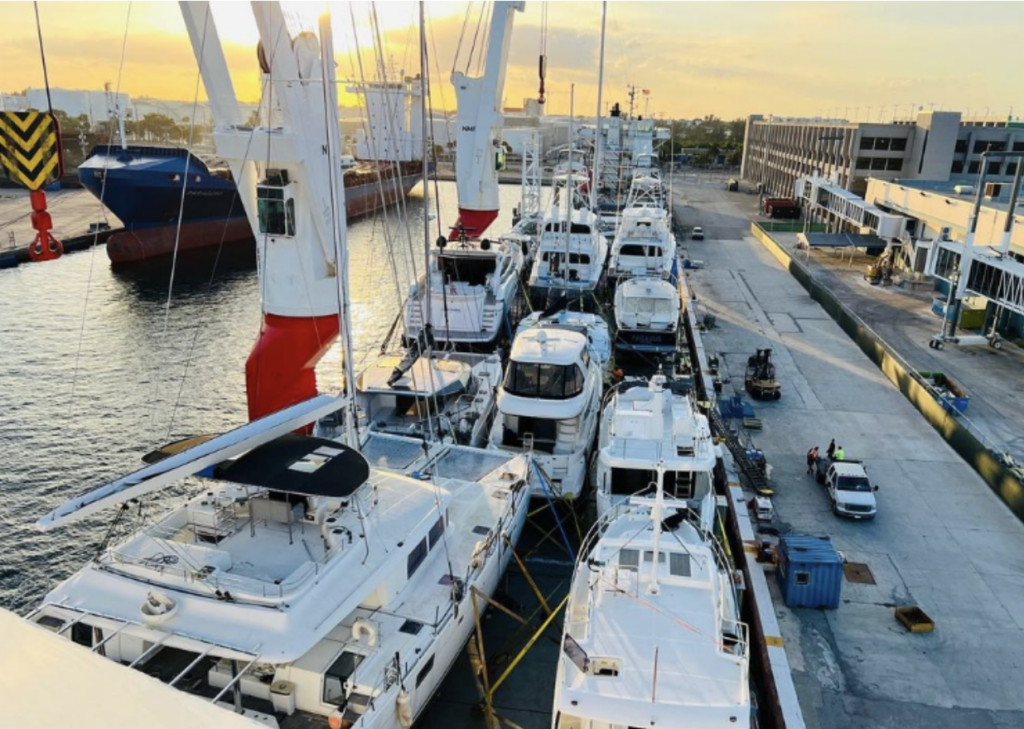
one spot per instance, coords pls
(840, 454)
(812, 456)
(831, 452)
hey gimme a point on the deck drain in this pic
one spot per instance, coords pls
(858, 572)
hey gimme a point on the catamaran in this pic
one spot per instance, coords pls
(652, 630)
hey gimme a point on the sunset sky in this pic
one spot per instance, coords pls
(727, 59)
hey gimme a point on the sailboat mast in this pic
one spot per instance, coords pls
(657, 513)
(597, 129)
(340, 225)
(424, 70)
(570, 182)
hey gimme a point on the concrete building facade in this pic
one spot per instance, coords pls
(936, 145)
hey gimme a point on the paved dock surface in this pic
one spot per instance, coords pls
(993, 379)
(942, 539)
(73, 211)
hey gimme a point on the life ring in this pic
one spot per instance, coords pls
(362, 627)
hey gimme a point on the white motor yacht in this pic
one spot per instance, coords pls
(571, 256)
(642, 424)
(652, 635)
(298, 585)
(472, 286)
(551, 398)
(644, 244)
(647, 317)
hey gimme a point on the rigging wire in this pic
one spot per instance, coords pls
(42, 56)
(103, 191)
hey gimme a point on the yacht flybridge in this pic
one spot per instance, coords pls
(642, 424)
(652, 631)
(471, 289)
(298, 582)
(551, 397)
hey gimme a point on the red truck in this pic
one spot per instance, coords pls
(780, 207)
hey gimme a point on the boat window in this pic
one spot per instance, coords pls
(548, 382)
(471, 270)
(635, 249)
(81, 633)
(276, 215)
(629, 481)
(649, 557)
(644, 305)
(679, 564)
(416, 557)
(336, 676)
(436, 531)
(629, 558)
(424, 671)
(543, 431)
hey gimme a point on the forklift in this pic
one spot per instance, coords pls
(759, 379)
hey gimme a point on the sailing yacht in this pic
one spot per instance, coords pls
(571, 255)
(297, 582)
(550, 399)
(471, 290)
(652, 631)
(642, 424)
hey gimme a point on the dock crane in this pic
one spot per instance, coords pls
(478, 152)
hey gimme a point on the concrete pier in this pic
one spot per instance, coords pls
(942, 539)
(73, 211)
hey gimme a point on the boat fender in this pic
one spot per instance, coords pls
(362, 627)
(478, 554)
(404, 706)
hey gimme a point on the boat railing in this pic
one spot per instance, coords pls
(180, 561)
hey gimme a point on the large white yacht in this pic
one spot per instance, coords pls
(647, 317)
(571, 255)
(443, 396)
(472, 286)
(642, 424)
(297, 582)
(644, 244)
(652, 631)
(550, 400)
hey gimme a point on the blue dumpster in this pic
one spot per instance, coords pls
(810, 572)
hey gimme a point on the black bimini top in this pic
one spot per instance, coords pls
(299, 464)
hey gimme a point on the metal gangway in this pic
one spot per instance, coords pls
(988, 271)
(818, 194)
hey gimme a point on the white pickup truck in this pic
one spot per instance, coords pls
(848, 488)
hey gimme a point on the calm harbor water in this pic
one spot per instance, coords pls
(96, 369)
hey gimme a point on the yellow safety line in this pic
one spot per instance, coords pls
(773, 641)
(519, 657)
(526, 574)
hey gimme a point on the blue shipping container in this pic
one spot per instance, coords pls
(810, 572)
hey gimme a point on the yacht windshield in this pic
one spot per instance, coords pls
(647, 306)
(472, 270)
(545, 381)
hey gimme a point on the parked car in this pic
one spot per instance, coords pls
(848, 488)
(697, 233)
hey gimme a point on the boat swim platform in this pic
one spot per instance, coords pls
(943, 540)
